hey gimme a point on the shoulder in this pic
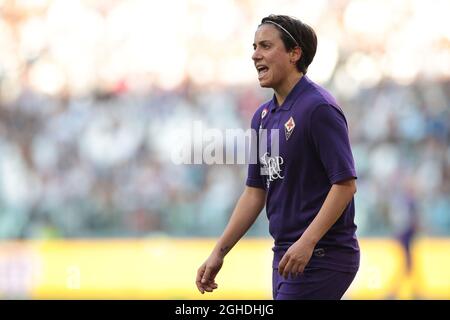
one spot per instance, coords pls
(319, 100)
(317, 95)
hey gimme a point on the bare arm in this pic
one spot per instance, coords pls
(332, 208)
(299, 254)
(244, 215)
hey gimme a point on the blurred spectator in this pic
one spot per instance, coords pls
(88, 112)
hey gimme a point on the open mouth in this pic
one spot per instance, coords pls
(262, 70)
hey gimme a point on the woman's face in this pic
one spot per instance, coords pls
(272, 61)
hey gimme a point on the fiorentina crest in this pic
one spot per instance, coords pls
(289, 127)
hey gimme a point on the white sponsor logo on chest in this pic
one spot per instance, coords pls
(272, 167)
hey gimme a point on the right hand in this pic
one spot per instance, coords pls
(207, 272)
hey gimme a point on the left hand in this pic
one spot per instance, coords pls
(296, 258)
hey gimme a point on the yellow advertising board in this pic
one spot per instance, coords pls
(165, 268)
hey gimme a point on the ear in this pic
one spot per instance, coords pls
(295, 54)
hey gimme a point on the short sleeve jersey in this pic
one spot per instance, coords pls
(313, 153)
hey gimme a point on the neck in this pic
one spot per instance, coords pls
(283, 90)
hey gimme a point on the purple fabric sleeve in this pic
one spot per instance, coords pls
(329, 134)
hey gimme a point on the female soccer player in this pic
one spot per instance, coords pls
(308, 186)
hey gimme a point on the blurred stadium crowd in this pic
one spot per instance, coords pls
(91, 92)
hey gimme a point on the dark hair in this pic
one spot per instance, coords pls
(304, 36)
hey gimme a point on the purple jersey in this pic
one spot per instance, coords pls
(314, 153)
